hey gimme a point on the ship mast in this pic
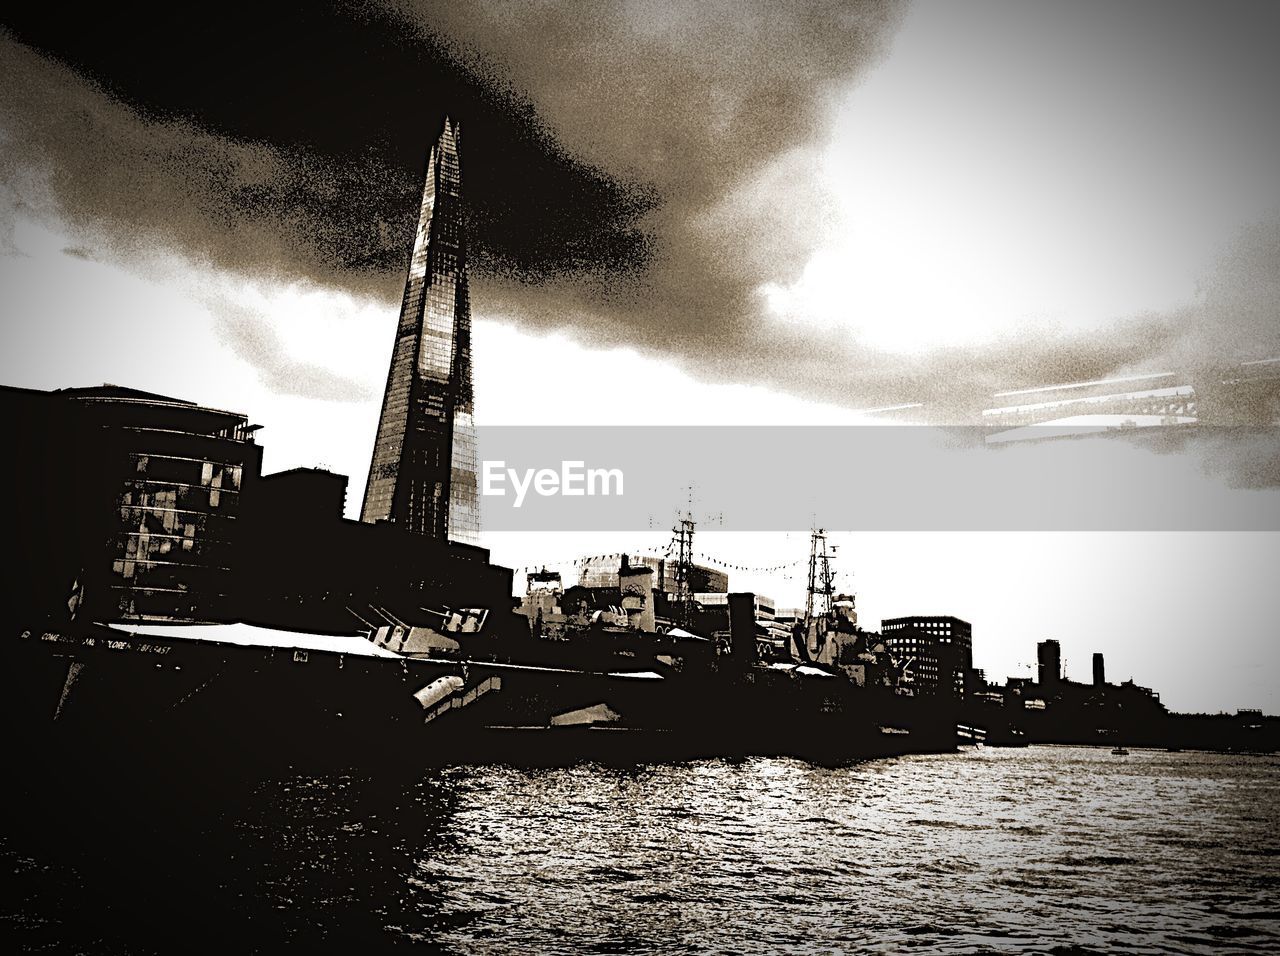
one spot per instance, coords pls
(821, 590)
(684, 569)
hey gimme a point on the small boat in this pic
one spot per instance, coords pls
(1120, 751)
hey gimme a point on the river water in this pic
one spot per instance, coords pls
(1043, 849)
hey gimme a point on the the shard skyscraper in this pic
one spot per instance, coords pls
(423, 471)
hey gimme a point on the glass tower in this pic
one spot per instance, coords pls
(423, 471)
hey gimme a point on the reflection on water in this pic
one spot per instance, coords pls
(1036, 849)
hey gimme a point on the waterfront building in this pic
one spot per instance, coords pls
(145, 507)
(1055, 709)
(422, 474)
(130, 502)
(936, 651)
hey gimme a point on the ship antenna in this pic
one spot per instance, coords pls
(821, 589)
(684, 568)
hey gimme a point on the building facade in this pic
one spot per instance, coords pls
(601, 571)
(142, 507)
(422, 474)
(937, 651)
(144, 491)
(763, 606)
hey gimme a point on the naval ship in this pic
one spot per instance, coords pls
(544, 682)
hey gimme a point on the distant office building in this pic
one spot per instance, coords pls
(1099, 670)
(937, 651)
(423, 471)
(763, 605)
(1049, 663)
(601, 571)
(702, 580)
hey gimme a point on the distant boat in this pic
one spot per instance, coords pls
(1120, 751)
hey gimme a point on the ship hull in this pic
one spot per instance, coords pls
(99, 692)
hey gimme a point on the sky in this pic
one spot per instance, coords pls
(765, 213)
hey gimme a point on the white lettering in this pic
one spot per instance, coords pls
(494, 473)
(522, 487)
(571, 476)
(604, 474)
(547, 482)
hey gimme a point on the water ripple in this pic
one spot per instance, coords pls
(1045, 850)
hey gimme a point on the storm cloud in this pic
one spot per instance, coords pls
(635, 173)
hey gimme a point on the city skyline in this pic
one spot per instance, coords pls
(150, 245)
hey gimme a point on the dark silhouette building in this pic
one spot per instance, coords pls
(305, 566)
(310, 491)
(1049, 663)
(937, 651)
(422, 474)
(1099, 670)
(130, 503)
(143, 507)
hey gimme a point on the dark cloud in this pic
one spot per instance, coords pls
(306, 127)
(635, 171)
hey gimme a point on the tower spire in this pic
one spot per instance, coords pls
(422, 473)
